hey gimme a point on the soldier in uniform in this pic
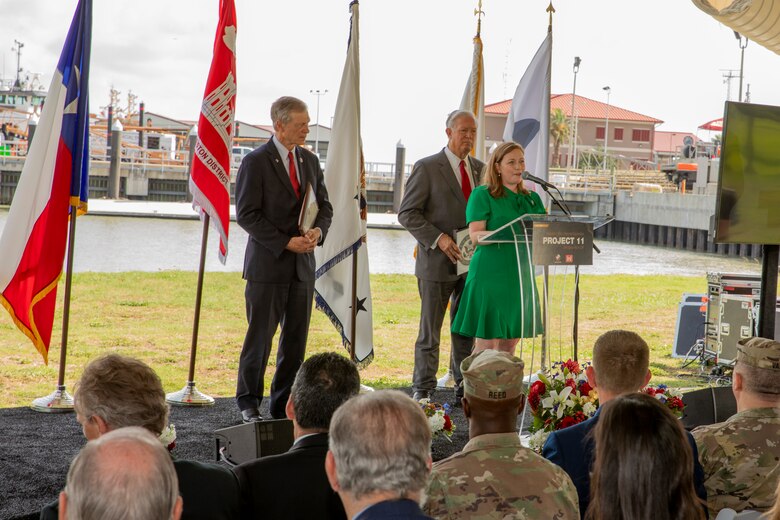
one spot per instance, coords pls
(495, 476)
(741, 456)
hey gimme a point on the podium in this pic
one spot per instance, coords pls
(555, 241)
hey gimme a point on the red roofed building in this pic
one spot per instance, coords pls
(631, 134)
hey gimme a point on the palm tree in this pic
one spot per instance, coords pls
(559, 131)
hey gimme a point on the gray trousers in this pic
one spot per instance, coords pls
(434, 297)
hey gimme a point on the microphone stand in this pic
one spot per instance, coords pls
(565, 208)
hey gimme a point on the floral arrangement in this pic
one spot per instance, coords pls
(438, 418)
(168, 437)
(559, 399)
(562, 397)
(671, 397)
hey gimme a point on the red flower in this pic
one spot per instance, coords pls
(585, 388)
(571, 383)
(447, 423)
(566, 422)
(580, 417)
(675, 403)
(535, 394)
(572, 366)
(650, 391)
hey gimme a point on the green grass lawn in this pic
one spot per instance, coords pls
(149, 316)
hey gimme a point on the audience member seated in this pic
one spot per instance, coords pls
(124, 475)
(494, 476)
(323, 383)
(741, 456)
(380, 456)
(620, 365)
(643, 469)
(117, 391)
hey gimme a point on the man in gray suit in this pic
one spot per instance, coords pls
(433, 207)
(279, 262)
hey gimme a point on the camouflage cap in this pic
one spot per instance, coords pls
(492, 375)
(759, 353)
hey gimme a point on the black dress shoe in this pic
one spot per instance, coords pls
(458, 395)
(251, 415)
(421, 394)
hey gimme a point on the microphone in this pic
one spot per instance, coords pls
(541, 182)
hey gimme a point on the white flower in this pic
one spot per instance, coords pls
(588, 409)
(537, 440)
(559, 398)
(168, 436)
(436, 421)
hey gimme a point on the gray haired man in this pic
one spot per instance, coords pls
(380, 456)
(125, 474)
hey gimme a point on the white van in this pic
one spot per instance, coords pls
(238, 154)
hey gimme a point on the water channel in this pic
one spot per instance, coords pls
(115, 244)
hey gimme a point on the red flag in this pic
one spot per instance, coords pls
(54, 178)
(210, 174)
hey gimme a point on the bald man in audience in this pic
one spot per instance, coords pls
(495, 476)
(741, 456)
(123, 475)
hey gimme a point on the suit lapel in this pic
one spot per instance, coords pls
(303, 171)
(476, 174)
(276, 161)
(445, 170)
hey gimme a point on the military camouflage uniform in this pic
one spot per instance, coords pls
(495, 477)
(741, 460)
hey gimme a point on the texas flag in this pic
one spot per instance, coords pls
(53, 183)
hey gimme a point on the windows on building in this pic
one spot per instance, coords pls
(641, 136)
(618, 134)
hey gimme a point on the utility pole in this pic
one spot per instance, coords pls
(17, 48)
(319, 94)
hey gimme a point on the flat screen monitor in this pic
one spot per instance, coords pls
(748, 203)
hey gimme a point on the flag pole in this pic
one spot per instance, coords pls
(190, 395)
(545, 313)
(60, 400)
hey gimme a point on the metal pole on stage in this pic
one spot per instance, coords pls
(60, 400)
(190, 395)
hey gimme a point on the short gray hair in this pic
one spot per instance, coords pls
(123, 391)
(282, 108)
(381, 442)
(125, 474)
(457, 114)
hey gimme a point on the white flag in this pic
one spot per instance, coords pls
(474, 98)
(528, 121)
(345, 248)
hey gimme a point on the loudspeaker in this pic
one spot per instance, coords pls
(691, 316)
(246, 442)
(708, 406)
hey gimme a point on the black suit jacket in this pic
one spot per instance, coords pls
(268, 209)
(291, 485)
(573, 448)
(402, 509)
(209, 492)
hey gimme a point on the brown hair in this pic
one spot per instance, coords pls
(763, 382)
(493, 178)
(621, 359)
(123, 391)
(643, 466)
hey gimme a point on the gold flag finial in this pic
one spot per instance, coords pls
(551, 10)
(478, 12)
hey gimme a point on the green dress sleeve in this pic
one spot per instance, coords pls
(478, 207)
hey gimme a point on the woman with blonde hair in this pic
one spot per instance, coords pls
(493, 310)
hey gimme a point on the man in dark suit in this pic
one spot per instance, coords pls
(620, 365)
(118, 391)
(271, 186)
(380, 456)
(433, 207)
(324, 382)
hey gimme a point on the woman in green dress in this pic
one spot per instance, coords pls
(493, 309)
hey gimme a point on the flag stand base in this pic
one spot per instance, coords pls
(189, 396)
(59, 401)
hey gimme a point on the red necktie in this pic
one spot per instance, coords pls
(465, 184)
(294, 175)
